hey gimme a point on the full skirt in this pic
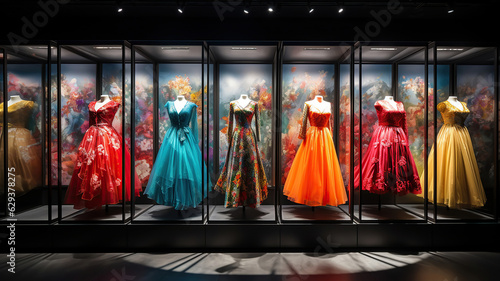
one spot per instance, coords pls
(97, 178)
(388, 165)
(458, 179)
(176, 176)
(24, 155)
(243, 179)
(315, 178)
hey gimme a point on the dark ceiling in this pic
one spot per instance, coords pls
(226, 20)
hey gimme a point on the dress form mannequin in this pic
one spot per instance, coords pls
(320, 103)
(179, 103)
(390, 99)
(243, 101)
(14, 99)
(454, 101)
(102, 101)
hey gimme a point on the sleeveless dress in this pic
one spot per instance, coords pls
(458, 179)
(315, 178)
(243, 179)
(97, 178)
(23, 152)
(176, 178)
(388, 164)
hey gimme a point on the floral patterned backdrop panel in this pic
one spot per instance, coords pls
(301, 82)
(175, 80)
(376, 84)
(78, 89)
(344, 121)
(475, 86)
(144, 121)
(255, 80)
(411, 91)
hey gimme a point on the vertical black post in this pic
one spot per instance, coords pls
(132, 133)
(426, 135)
(336, 107)
(495, 139)
(59, 137)
(5, 131)
(124, 183)
(434, 116)
(216, 117)
(360, 147)
(351, 133)
(156, 94)
(209, 61)
(278, 68)
(44, 125)
(203, 146)
(48, 123)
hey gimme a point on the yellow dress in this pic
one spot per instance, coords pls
(458, 179)
(23, 151)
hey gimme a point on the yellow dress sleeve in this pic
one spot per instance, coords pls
(441, 107)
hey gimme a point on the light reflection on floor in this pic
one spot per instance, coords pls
(353, 266)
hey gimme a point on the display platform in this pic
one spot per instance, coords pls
(264, 213)
(301, 213)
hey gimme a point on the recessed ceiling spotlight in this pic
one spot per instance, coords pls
(107, 47)
(341, 8)
(243, 48)
(383, 49)
(450, 11)
(316, 49)
(175, 48)
(120, 10)
(311, 10)
(246, 11)
(180, 10)
(451, 49)
(270, 9)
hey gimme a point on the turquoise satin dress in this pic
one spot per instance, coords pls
(176, 178)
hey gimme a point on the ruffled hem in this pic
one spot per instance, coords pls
(383, 184)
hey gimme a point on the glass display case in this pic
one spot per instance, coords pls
(91, 167)
(170, 112)
(243, 164)
(314, 186)
(390, 132)
(465, 133)
(25, 194)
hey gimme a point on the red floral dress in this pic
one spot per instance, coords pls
(243, 179)
(97, 178)
(388, 165)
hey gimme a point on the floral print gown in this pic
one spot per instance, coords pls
(97, 178)
(243, 179)
(388, 165)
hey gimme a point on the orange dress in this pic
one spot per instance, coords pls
(315, 178)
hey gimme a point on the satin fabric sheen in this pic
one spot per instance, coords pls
(315, 178)
(458, 179)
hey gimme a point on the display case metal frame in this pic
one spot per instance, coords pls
(92, 58)
(217, 61)
(358, 69)
(148, 58)
(486, 47)
(20, 52)
(344, 58)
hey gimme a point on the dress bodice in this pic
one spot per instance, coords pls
(317, 118)
(243, 117)
(184, 121)
(453, 115)
(104, 115)
(390, 115)
(19, 114)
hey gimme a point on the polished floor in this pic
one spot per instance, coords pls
(352, 266)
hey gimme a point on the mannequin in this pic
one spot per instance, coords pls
(179, 103)
(243, 101)
(320, 103)
(14, 99)
(454, 101)
(104, 100)
(390, 99)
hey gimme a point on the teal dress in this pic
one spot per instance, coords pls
(176, 178)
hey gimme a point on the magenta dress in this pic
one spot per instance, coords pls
(388, 165)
